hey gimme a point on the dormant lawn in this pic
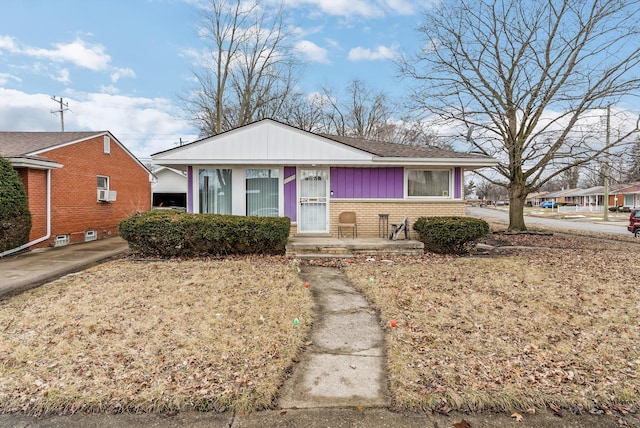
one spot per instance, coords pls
(553, 323)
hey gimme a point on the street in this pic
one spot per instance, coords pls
(614, 227)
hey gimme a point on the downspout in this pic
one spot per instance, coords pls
(48, 235)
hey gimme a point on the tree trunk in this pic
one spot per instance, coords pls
(517, 200)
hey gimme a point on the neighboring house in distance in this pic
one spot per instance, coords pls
(271, 169)
(79, 184)
(169, 188)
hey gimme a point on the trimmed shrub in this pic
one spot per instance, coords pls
(169, 233)
(450, 235)
(15, 217)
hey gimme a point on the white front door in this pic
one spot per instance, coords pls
(313, 202)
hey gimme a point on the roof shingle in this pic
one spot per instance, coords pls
(20, 144)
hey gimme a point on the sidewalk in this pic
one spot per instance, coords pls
(31, 269)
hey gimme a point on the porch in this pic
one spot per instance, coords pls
(311, 247)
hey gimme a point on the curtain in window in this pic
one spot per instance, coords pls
(215, 191)
(428, 183)
(262, 192)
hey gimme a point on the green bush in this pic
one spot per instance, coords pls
(169, 233)
(15, 217)
(450, 235)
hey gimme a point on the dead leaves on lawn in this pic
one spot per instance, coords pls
(140, 336)
(532, 329)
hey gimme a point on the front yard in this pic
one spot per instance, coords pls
(153, 337)
(555, 326)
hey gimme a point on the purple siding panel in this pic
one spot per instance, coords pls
(342, 181)
(398, 190)
(358, 184)
(190, 189)
(290, 200)
(457, 182)
(382, 182)
(366, 178)
(348, 182)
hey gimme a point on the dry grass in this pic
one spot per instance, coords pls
(553, 326)
(556, 326)
(153, 336)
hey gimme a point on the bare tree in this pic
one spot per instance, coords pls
(413, 132)
(249, 70)
(361, 113)
(527, 76)
(365, 113)
(632, 172)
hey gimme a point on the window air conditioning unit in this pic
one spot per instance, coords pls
(107, 195)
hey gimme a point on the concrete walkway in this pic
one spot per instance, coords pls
(345, 364)
(31, 269)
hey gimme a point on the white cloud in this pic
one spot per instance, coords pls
(63, 76)
(312, 51)
(143, 125)
(8, 43)
(6, 77)
(366, 54)
(78, 52)
(122, 72)
(111, 89)
(360, 8)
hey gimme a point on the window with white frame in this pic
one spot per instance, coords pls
(428, 182)
(103, 182)
(262, 192)
(107, 145)
(215, 190)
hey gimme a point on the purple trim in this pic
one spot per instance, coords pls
(290, 205)
(457, 182)
(349, 182)
(190, 189)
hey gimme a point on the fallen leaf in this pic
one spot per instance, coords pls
(282, 413)
(462, 424)
(556, 410)
(518, 417)
(531, 411)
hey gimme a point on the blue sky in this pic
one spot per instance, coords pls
(122, 64)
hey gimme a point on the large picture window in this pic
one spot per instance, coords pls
(215, 191)
(428, 183)
(262, 192)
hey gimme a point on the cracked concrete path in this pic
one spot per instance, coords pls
(345, 364)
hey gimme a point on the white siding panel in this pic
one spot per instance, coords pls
(170, 182)
(267, 142)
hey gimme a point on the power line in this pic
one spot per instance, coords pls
(63, 107)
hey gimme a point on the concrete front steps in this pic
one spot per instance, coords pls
(328, 247)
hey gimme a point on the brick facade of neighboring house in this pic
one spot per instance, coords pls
(271, 169)
(70, 164)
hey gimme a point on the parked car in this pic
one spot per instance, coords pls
(634, 223)
(548, 204)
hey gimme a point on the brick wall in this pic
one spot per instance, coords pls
(75, 208)
(35, 185)
(367, 213)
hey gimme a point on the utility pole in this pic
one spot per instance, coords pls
(63, 107)
(606, 166)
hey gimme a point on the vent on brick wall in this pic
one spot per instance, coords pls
(62, 240)
(107, 195)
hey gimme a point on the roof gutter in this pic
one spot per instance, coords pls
(25, 162)
(462, 162)
(48, 235)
